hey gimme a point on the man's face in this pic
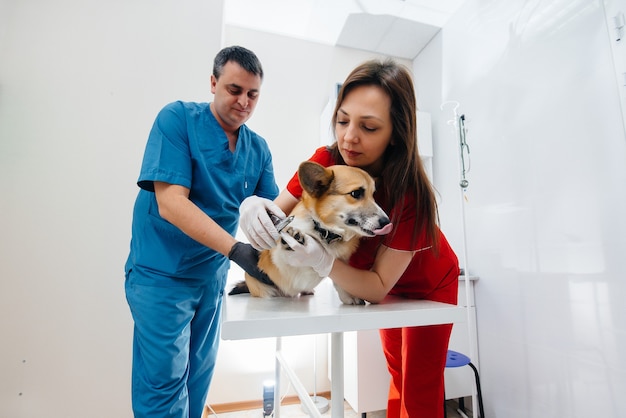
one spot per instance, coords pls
(236, 94)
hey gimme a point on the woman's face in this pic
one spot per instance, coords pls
(363, 129)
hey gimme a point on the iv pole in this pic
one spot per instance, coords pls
(464, 166)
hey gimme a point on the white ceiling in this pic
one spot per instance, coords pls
(399, 28)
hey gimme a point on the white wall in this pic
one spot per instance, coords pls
(80, 84)
(546, 202)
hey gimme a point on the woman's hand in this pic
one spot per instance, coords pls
(309, 254)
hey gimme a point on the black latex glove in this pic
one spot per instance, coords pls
(248, 259)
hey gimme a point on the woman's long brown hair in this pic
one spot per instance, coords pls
(403, 172)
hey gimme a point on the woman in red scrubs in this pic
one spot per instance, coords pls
(375, 128)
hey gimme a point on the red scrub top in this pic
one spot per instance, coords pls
(430, 275)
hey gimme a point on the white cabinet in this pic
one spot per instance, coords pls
(365, 375)
(366, 379)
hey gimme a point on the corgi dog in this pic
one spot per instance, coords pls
(337, 208)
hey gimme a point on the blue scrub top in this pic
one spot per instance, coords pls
(188, 147)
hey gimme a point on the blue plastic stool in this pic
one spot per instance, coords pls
(456, 359)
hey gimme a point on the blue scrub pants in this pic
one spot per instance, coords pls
(175, 341)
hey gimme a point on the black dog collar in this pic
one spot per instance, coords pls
(325, 234)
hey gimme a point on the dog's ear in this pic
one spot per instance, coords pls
(315, 179)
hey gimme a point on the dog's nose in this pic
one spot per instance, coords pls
(385, 226)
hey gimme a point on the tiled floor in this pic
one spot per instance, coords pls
(296, 411)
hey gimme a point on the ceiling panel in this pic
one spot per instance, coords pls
(399, 28)
(385, 34)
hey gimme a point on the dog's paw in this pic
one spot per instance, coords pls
(347, 298)
(296, 234)
(351, 300)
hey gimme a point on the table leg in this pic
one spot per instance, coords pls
(277, 379)
(336, 384)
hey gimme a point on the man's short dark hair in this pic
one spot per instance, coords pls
(242, 56)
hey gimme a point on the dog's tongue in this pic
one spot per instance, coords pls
(384, 230)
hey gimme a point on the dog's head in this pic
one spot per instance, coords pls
(341, 198)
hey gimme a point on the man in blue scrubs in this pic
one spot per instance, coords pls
(201, 161)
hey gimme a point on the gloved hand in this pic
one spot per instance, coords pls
(248, 259)
(256, 223)
(310, 254)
